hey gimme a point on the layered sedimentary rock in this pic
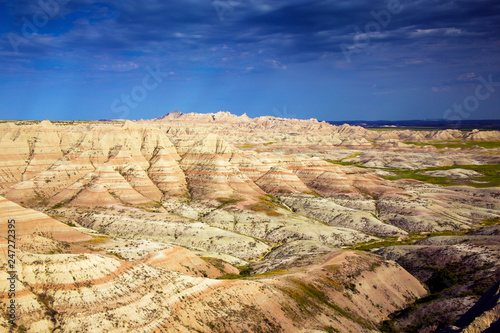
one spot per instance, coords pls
(249, 165)
(15, 153)
(484, 316)
(210, 175)
(328, 211)
(186, 197)
(93, 195)
(153, 140)
(477, 135)
(28, 221)
(105, 186)
(174, 228)
(462, 272)
(89, 292)
(453, 173)
(278, 180)
(165, 172)
(60, 175)
(140, 181)
(44, 149)
(434, 209)
(277, 225)
(181, 260)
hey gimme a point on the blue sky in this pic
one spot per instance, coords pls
(330, 60)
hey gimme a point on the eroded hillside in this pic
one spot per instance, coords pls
(145, 225)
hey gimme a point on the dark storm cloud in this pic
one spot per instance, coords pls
(294, 46)
(293, 30)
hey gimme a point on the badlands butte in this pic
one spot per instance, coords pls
(224, 223)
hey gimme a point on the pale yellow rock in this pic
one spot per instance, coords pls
(166, 174)
(279, 180)
(181, 260)
(28, 221)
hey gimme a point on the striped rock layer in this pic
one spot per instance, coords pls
(93, 293)
(28, 222)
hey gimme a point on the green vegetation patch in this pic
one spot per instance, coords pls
(273, 213)
(115, 254)
(58, 205)
(218, 263)
(271, 273)
(266, 205)
(490, 178)
(151, 206)
(309, 298)
(246, 146)
(56, 251)
(345, 160)
(342, 162)
(457, 144)
(413, 237)
(415, 174)
(491, 222)
(226, 201)
(244, 272)
(353, 155)
(98, 239)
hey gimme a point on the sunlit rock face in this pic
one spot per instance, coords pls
(137, 225)
(28, 222)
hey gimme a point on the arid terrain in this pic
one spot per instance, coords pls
(224, 223)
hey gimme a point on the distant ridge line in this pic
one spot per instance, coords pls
(489, 124)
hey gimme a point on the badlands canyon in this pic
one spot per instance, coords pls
(225, 223)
